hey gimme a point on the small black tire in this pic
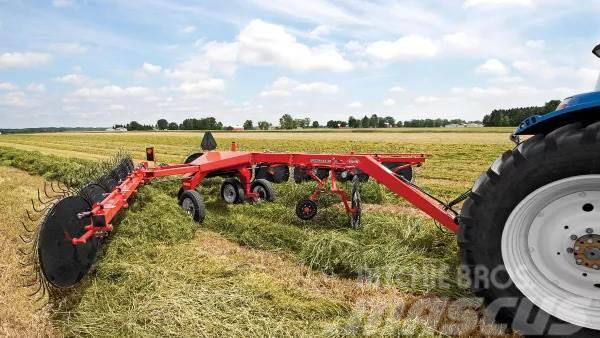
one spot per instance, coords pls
(192, 202)
(274, 173)
(407, 172)
(264, 189)
(192, 157)
(544, 159)
(306, 209)
(232, 191)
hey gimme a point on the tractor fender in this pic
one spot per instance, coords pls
(581, 107)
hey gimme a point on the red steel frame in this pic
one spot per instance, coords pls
(241, 163)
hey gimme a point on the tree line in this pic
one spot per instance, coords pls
(497, 118)
(514, 116)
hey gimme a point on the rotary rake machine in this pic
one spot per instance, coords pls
(73, 228)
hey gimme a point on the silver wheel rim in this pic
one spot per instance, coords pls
(188, 206)
(535, 249)
(261, 191)
(229, 193)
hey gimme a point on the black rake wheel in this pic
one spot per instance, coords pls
(306, 209)
(232, 191)
(264, 189)
(62, 263)
(355, 216)
(192, 158)
(192, 203)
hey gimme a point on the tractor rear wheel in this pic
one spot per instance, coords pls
(528, 235)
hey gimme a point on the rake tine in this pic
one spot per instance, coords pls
(30, 217)
(25, 227)
(36, 291)
(42, 294)
(40, 198)
(34, 208)
(25, 240)
(22, 252)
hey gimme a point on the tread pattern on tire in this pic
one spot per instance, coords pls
(573, 149)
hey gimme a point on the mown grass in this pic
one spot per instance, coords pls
(156, 271)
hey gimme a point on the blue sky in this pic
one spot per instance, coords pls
(95, 63)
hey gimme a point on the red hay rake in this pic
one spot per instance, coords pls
(73, 228)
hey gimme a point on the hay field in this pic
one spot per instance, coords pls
(257, 269)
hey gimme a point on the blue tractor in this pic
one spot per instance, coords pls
(530, 229)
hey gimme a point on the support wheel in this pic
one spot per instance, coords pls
(306, 209)
(264, 189)
(191, 202)
(356, 204)
(528, 234)
(232, 191)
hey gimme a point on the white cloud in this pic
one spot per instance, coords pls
(111, 91)
(189, 29)
(68, 48)
(426, 99)
(317, 87)
(285, 86)
(462, 40)
(36, 87)
(263, 43)
(7, 86)
(150, 69)
(492, 67)
(116, 107)
(389, 102)
(274, 93)
(25, 59)
(320, 31)
(355, 104)
(74, 79)
(535, 44)
(14, 99)
(396, 89)
(405, 48)
(496, 3)
(202, 87)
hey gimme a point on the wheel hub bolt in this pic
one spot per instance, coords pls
(570, 250)
(596, 267)
(578, 261)
(589, 230)
(573, 237)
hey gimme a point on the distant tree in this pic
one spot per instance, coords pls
(391, 122)
(342, 124)
(373, 121)
(287, 122)
(162, 124)
(302, 123)
(399, 124)
(315, 124)
(248, 125)
(264, 125)
(353, 123)
(364, 123)
(514, 116)
(173, 126)
(135, 125)
(380, 122)
(332, 124)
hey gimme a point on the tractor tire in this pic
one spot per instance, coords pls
(191, 202)
(232, 191)
(527, 275)
(264, 189)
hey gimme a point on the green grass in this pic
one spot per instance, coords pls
(155, 279)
